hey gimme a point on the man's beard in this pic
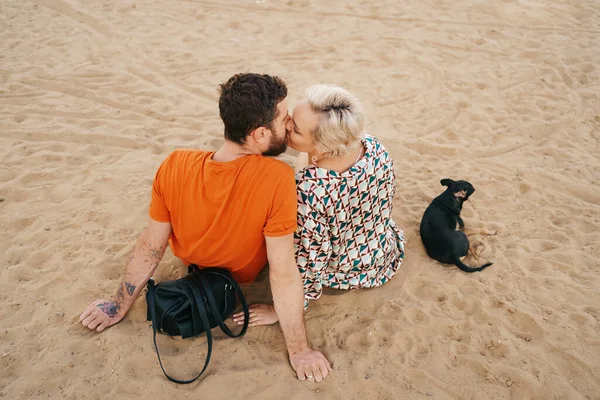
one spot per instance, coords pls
(276, 146)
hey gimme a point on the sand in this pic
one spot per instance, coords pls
(505, 94)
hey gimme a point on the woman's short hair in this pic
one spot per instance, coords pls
(341, 123)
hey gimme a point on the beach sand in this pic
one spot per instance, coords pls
(505, 94)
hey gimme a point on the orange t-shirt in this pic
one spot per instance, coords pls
(221, 212)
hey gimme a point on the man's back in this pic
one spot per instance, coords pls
(221, 212)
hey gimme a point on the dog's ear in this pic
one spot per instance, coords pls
(447, 182)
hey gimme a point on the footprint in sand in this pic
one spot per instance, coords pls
(62, 192)
(6, 175)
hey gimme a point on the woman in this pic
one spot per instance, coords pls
(346, 238)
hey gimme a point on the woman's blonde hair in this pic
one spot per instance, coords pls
(341, 122)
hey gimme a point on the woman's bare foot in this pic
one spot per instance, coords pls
(260, 314)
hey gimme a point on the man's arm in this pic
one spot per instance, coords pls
(147, 253)
(288, 299)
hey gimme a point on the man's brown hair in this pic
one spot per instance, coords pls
(249, 101)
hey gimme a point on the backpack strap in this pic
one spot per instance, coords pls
(194, 296)
(213, 303)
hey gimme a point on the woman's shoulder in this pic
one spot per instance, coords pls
(313, 176)
(375, 148)
(373, 142)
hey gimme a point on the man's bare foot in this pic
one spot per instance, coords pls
(260, 314)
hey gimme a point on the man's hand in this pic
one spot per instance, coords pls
(310, 364)
(147, 253)
(100, 315)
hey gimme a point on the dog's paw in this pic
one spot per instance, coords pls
(491, 233)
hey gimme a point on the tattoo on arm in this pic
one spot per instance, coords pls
(130, 288)
(154, 253)
(110, 308)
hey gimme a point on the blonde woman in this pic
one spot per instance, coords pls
(346, 238)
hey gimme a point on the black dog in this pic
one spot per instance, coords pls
(441, 221)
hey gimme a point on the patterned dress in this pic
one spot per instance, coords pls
(346, 238)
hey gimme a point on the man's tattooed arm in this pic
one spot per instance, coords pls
(112, 308)
(143, 261)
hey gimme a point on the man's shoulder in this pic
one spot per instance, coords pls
(274, 163)
(179, 164)
(185, 155)
(274, 168)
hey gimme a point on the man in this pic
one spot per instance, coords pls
(234, 209)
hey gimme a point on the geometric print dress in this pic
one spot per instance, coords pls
(346, 238)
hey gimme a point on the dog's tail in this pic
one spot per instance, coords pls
(466, 268)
